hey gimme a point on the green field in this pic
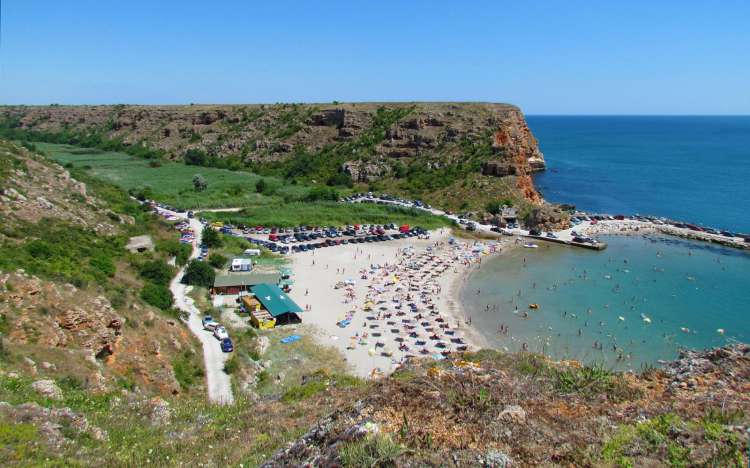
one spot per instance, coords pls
(282, 205)
(171, 182)
(329, 214)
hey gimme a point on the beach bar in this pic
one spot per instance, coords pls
(270, 306)
(241, 282)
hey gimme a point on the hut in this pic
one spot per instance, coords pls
(270, 306)
(238, 283)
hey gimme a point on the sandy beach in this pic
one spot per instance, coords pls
(381, 302)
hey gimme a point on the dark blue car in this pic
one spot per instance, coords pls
(226, 345)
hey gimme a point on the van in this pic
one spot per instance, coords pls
(252, 252)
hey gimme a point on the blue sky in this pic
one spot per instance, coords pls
(548, 57)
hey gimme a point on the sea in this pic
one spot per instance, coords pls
(645, 297)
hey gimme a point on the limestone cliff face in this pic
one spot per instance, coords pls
(369, 139)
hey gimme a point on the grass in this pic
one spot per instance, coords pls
(198, 433)
(373, 451)
(318, 382)
(329, 214)
(170, 182)
(662, 437)
(281, 205)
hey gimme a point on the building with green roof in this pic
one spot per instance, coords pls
(276, 302)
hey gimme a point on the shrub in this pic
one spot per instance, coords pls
(195, 157)
(157, 272)
(493, 207)
(217, 260)
(176, 249)
(322, 193)
(199, 274)
(340, 179)
(212, 238)
(157, 295)
(260, 186)
(199, 183)
(231, 366)
(373, 450)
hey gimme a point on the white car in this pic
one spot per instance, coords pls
(210, 324)
(220, 333)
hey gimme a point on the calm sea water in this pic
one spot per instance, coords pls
(689, 168)
(695, 169)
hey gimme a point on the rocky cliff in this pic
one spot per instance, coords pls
(69, 295)
(366, 142)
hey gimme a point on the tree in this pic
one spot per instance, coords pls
(195, 157)
(156, 271)
(340, 178)
(260, 186)
(199, 182)
(211, 238)
(157, 295)
(199, 274)
(217, 260)
(322, 193)
(493, 207)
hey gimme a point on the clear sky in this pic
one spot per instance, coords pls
(548, 57)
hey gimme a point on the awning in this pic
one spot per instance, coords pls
(274, 300)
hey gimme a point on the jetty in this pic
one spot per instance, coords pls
(586, 245)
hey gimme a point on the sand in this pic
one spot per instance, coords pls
(317, 273)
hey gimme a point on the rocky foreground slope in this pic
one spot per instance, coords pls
(426, 149)
(69, 292)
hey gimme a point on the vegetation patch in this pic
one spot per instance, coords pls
(374, 450)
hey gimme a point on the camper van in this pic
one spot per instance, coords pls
(252, 252)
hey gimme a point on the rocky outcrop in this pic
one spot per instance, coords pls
(34, 189)
(55, 425)
(548, 218)
(362, 171)
(438, 132)
(87, 334)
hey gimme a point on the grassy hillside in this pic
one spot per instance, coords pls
(279, 204)
(170, 182)
(414, 149)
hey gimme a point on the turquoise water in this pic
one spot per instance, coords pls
(694, 169)
(677, 284)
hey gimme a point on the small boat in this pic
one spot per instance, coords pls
(533, 306)
(720, 331)
(531, 245)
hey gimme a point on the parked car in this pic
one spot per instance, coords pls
(220, 332)
(226, 345)
(209, 323)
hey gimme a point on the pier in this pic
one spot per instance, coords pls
(598, 246)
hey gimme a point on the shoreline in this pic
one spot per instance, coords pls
(377, 302)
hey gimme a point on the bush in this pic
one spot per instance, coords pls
(176, 249)
(231, 366)
(212, 238)
(372, 450)
(199, 274)
(260, 186)
(340, 179)
(322, 193)
(493, 208)
(157, 295)
(199, 183)
(217, 260)
(195, 157)
(156, 272)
